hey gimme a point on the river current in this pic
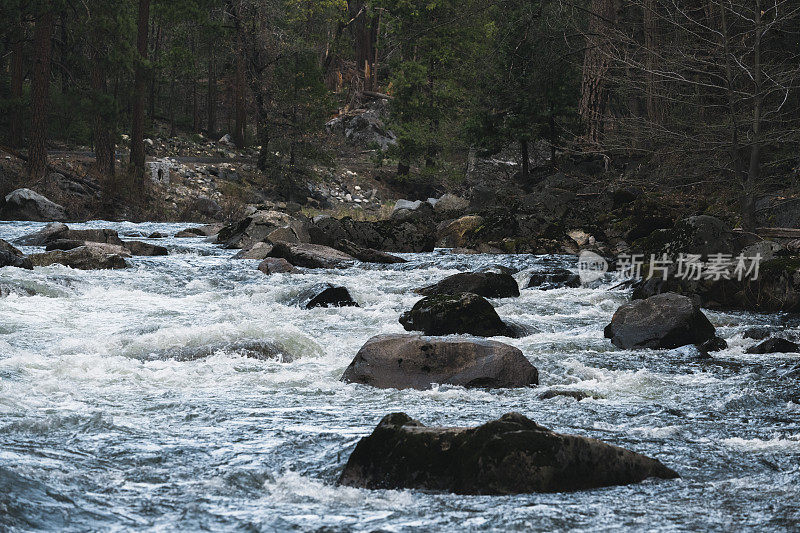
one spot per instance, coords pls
(126, 403)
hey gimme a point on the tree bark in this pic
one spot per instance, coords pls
(594, 94)
(104, 146)
(40, 96)
(241, 110)
(754, 169)
(526, 160)
(139, 87)
(17, 75)
(212, 95)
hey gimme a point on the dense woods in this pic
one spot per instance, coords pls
(707, 89)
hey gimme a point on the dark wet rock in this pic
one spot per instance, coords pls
(145, 248)
(556, 393)
(106, 236)
(486, 284)
(254, 349)
(208, 230)
(510, 455)
(83, 258)
(663, 321)
(326, 295)
(156, 235)
(50, 232)
(368, 255)
(554, 279)
(63, 244)
(758, 333)
(25, 204)
(418, 362)
(385, 235)
(776, 289)
(276, 265)
(11, 256)
(310, 255)
(715, 344)
(7, 289)
(257, 228)
(498, 269)
(775, 345)
(259, 250)
(100, 247)
(701, 235)
(190, 233)
(452, 314)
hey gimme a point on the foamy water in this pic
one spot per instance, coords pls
(126, 403)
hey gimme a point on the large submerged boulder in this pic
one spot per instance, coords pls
(486, 284)
(558, 278)
(85, 257)
(25, 204)
(663, 321)
(310, 255)
(407, 236)
(454, 314)
(52, 231)
(11, 256)
(418, 362)
(262, 226)
(511, 455)
(368, 255)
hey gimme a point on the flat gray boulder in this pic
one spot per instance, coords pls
(417, 362)
(25, 204)
(511, 455)
(92, 256)
(666, 320)
(310, 255)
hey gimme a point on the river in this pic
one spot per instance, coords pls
(109, 422)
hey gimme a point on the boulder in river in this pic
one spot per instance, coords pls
(326, 295)
(276, 265)
(663, 321)
(11, 256)
(50, 232)
(368, 255)
(258, 227)
(511, 455)
(259, 250)
(145, 248)
(486, 284)
(25, 204)
(775, 345)
(558, 278)
(87, 257)
(310, 255)
(418, 362)
(454, 314)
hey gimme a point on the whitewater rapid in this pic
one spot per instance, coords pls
(126, 403)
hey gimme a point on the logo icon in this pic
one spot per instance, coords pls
(591, 267)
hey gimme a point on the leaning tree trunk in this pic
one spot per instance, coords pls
(594, 92)
(139, 88)
(40, 96)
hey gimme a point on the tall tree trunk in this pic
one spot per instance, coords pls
(212, 94)
(139, 87)
(239, 94)
(17, 74)
(40, 96)
(526, 160)
(172, 130)
(104, 146)
(594, 93)
(365, 36)
(754, 169)
(195, 116)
